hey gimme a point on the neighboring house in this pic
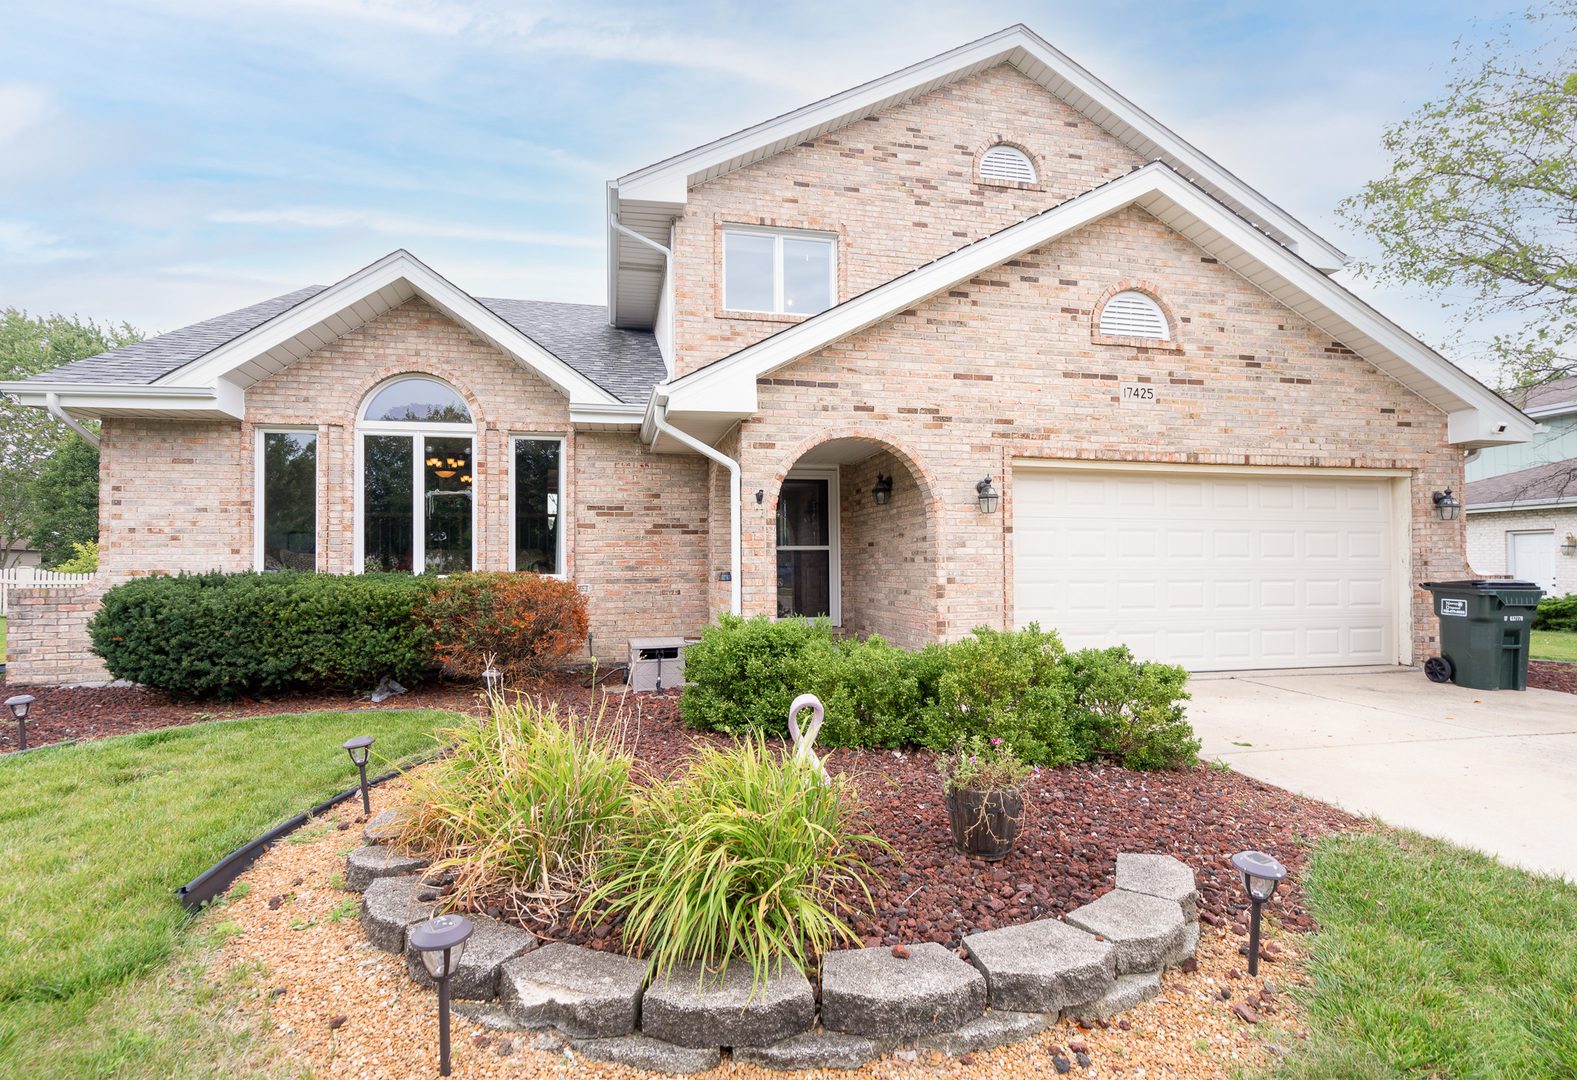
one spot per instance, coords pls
(1521, 500)
(977, 343)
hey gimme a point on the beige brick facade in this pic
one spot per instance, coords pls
(1487, 550)
(1005, 366)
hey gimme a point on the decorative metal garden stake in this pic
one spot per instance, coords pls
(18, 706)
(494, 679)
(441, 942)
(360, 749)
(1261, 875)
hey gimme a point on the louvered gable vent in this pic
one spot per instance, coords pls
(1133, 314)
(1006, 163)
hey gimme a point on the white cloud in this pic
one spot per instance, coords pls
(22, 106)
(312, 217)
(23, 242)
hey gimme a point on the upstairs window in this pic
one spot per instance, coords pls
(783, 273)
(1133, 314)
(1006, 163)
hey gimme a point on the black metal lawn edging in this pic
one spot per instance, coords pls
(216, 880)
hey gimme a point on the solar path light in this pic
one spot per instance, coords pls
(1261, 875)
(441, 942)
(360, 749)
(494, 679)
(18, 706)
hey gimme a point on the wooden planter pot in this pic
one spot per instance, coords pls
(985, 823)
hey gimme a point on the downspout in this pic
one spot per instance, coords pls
(52, 402)
(732, 466)
(668, 265)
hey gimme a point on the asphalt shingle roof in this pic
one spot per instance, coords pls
(1557, 480)
(626, 363)
(146, 361)
(1554, 392)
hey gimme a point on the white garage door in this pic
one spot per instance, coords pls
(1209, 570)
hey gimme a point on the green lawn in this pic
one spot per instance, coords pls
(1553, 645)
(95, 838)
(1435, 961)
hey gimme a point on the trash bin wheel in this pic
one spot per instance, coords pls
(1439, 669)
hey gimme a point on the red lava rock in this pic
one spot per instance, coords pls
(1234, 973)
(1245, 1014)
(1123, 1025)
(342, 826)
(1188, 966)
(1226, 995)
(1239, 929)
(1054, 1050)
(1079, 1047)
(1550, 675)
(1270, 946)
(338, 1022)
(1084, 1025)
(966, 1059)
(481, 1040)
(296, 882)
(900, 952)
(275, 902)
(1267, 956)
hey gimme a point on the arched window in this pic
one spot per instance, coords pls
(417, 463)
(1003, 162)
(1133, 314)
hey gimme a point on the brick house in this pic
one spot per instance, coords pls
(976, 343)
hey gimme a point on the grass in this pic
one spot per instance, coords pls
(95, 838)
(1553, 645)
(1436, 961)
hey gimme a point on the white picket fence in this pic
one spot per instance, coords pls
(31, 577)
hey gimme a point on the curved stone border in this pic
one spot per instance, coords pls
(1104, 958)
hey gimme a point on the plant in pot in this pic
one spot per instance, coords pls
(982, 781)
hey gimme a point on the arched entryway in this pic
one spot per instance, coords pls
(855, 538)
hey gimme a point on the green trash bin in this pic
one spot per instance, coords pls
(1484, 627)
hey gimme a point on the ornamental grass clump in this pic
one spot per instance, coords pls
(742, 858)
(522, 808)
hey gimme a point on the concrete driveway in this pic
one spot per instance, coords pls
(1493, 770)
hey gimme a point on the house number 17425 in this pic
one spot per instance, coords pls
(1138, 392)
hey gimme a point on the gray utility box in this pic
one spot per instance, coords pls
(656, 663)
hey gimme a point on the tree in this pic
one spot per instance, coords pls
(63, 501)
(28, 437)
(1480, 204)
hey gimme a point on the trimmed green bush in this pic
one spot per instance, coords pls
(227, 634)
(1557, 613)
(1048, 706)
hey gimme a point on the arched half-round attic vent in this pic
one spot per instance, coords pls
(1133, 314)
(1007, 163)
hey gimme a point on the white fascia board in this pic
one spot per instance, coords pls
(1559, 408)
(397, 268)
(619, 415)
(1514, 507)
(669, 181)
(1478, 414)
(92, 401)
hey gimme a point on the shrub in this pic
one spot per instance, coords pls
(228, 634)
(521, 808)
(85, 559)
(741, 858)
(869, 689)
(744, 672)
(1004, 684)
(1557, 613)
(1130, 711)
(524, 623)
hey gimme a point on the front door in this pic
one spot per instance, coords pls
(807, 530)
(1531, 557)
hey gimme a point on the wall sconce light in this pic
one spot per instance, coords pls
(1569, 547)
(1446, 505)
(883, 489)
(987, 496)
(760, 496)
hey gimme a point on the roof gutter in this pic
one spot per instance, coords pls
(660, 423)
(52, 403)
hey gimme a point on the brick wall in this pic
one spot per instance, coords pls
(1486, 542)
(889, 566)
(899, 189)
(1005, 366)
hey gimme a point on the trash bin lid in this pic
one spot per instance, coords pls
(1481, 584)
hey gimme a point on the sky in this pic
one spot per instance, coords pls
(164, 161)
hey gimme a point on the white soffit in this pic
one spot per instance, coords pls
(1478, 416)
(647, 199)
(360, 298)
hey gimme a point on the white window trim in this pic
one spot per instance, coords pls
(515, 437)
(830, 474)
(258, 489)
(777, 265)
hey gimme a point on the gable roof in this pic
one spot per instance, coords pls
(648, 199)
(707, 401)
(1554, 483)
(203, 371)
(1558, 397)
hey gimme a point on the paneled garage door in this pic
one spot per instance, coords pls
(1213, 571)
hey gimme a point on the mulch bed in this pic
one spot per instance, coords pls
(1078, 818)
(1552, 675)
(71, 712)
